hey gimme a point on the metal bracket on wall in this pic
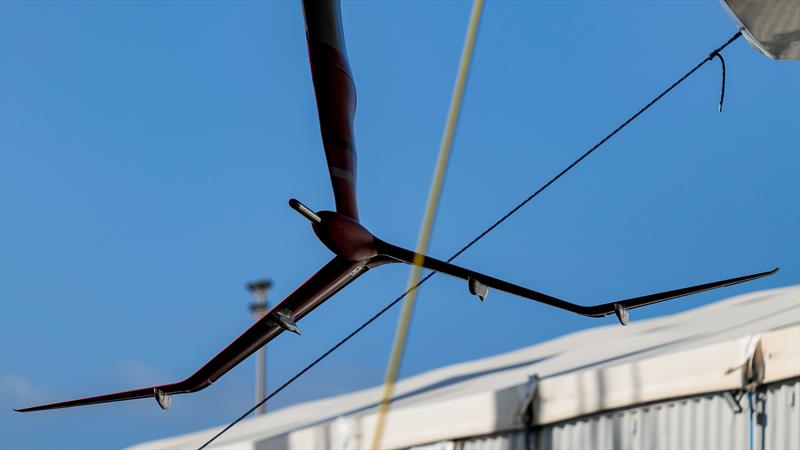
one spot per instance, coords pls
(733, 398)
(526, 412)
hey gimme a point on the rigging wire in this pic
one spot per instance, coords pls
(722, 91)
(480, 236)
(404, 322)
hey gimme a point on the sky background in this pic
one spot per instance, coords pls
(148, 150)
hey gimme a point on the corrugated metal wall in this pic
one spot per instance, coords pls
(703, 422)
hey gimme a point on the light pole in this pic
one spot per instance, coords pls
(258, 308)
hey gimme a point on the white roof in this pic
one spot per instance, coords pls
(771, 27)
(698, 351)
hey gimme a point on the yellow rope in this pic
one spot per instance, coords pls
(430, 214)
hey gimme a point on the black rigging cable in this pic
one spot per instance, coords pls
(722, 62)
(711, 56)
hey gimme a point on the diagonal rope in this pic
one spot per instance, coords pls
(471, 243)
(403, 324)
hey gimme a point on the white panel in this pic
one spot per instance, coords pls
(702, 422)
(781, 353)
(772, 27)
(782, 428)
(514, 440)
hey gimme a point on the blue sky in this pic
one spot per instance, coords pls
(147, 152)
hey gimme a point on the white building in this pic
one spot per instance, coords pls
(682, 381)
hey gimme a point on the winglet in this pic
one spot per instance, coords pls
(163, 399)
(622, 313)
(284, 319)
(477, 288)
